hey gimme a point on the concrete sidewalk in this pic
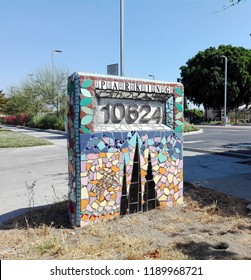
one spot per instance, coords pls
(43, 167)
(230, 175)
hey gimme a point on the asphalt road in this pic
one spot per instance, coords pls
(235, 140)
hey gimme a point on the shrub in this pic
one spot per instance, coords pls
(47, 122)
(23, 119)
(16, 119)
(11, 120)
(195, 116)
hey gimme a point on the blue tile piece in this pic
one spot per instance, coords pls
(132, 141)
(162, 157)
(98, 134)
(157, 134)
(124, 145)
(108, 134)
(85, 137)
(124, 135)
(82, 146)
(150, 142)
(117, 135)
(101, 146)
(127, 158)
(151, 134)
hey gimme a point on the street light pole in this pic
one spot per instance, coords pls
(225, 91)
(52, 62)
(121, 37)
(52, 74)
(151, 76)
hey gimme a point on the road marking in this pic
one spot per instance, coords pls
(191, 142)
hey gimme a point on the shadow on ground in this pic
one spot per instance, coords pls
(225, 204)
(53, 215)
(206, 251)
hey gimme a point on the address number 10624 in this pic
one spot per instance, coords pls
(132, 113)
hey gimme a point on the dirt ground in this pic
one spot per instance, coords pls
(210, 225)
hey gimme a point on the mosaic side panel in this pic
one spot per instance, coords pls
(71, 143)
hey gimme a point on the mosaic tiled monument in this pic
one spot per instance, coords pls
(124, 146)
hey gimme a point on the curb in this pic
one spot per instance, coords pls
(194, 132)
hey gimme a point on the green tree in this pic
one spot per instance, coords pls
(203, 77)
(52, 88)
(40, 93)
(3, 101)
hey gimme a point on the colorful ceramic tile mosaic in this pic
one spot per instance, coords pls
(125, 146)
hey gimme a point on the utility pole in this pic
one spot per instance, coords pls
(225, 91)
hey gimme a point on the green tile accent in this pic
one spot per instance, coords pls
(179, 115)
(179, 91)
(178, 129)
(87, 110)
(85, 101)
(85, 92)
(179, 122)
(86, 84)
(178, 99)
(85, 129)
(179, 107)
(86, 120)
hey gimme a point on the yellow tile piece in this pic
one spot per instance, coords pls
(156, 179)
(180, 200)
(162, 204)
(111, 203)
(115, 168)
(103, 203)
(156, 168)
(92, 194)
(88, 166)
(170, 178)
(162, 170)
(84, 193)
(163, 185)
(109, 155)
(143, 173)
(94, 205)
(94, 182)
(100, 162)
(84, 202)
(162, 198)
(99, 176)
(166, 191)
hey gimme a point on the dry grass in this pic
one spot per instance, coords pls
(210, 225)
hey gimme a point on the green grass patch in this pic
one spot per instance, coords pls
(11, 139)
(190, 127)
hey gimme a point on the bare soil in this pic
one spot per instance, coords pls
(210, 225)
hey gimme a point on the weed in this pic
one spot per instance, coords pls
(31, 194)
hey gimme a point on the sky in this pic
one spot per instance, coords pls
(159, 35)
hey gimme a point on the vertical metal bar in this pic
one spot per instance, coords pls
(121, 37)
